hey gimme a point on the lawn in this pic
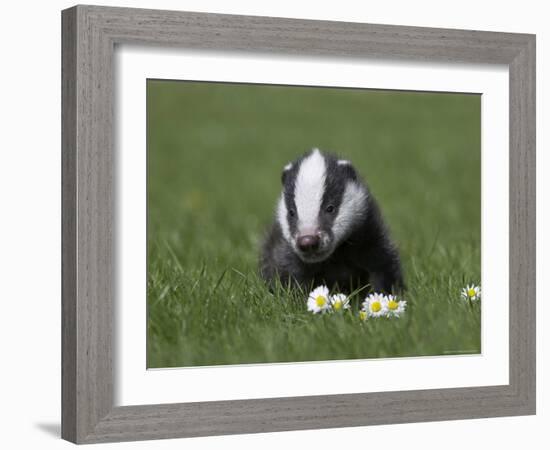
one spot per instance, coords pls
(215, 155)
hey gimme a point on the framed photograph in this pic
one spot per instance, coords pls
(278, 224)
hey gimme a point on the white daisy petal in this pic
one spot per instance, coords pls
(395, 307)
(319, 300)
(339, 302)
(471, 292)
(375, 305)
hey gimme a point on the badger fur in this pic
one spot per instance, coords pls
(329, 230)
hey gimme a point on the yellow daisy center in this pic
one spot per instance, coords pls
(337, 305)
(392, 304)
(362, 315)
(471, 292)
(375, 306)
(321, 301)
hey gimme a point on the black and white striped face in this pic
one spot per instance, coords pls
(322, 200)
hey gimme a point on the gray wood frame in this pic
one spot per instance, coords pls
(89, 36)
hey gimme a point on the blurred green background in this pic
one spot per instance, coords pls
(215, 155)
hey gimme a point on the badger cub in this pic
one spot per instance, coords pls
(329, 230)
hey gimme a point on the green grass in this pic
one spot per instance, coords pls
(215, 154)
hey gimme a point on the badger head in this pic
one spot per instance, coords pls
(322, 201)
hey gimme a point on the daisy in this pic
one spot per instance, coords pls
(339, 302)
(375, 305)
(395, 307)
(319, 300)
(471, 292)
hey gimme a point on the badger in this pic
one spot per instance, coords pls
(329, 230)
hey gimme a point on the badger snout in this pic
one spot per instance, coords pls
(313, 247)
(308, 243)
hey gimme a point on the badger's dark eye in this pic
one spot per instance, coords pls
(291, 212)
(330, 209)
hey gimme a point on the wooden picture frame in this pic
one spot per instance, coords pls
(90, 34)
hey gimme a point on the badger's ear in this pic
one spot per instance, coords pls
(286, 171)
(347, 169)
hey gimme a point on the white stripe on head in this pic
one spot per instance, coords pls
(343, 162)
(287, 167)
(282, 217)
(352, 208)
(309, 190)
